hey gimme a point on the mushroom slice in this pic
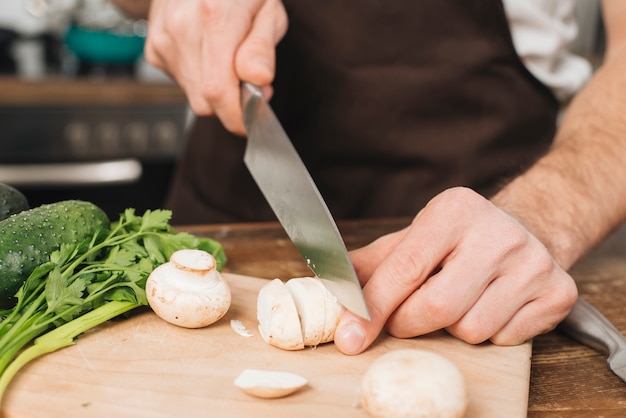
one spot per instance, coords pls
(279, 324)
(269, 384)
(333, 310)
(309, 299)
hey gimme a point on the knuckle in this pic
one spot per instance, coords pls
(562, 298)
(508, 339)
(175, 22)
(471, 333)
(212, 11)
(408, 266)
(459, 196)
(213, 90)
(440, 309)
(543, 265)
(458, 203)
(540, 269)
(152, 56)
(403, 322)
(398, 329)
(157, 41)
(199, 106)
(516, 235)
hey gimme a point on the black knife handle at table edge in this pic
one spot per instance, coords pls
(588, 326)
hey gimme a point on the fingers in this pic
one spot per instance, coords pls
(514, 307)
(219, 85)
(483, 266)
(409, 258)
(464, 266)
(518, 305)
(254, 62)
(256, 56)
(534, 319)
(210, 46)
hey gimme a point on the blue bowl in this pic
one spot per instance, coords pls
(103, 47)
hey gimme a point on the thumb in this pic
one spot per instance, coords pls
(354, 334)
(255, 59)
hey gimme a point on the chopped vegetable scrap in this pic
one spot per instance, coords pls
(240, 328)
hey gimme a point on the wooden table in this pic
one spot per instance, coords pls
(567, 379)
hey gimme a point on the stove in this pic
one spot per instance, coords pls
(113, 143)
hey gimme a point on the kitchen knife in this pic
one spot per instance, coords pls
(587, 325)
(289, 189)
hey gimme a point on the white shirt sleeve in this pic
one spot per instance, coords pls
(542, 32)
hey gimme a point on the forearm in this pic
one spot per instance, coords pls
(133, 8)
(574, 196)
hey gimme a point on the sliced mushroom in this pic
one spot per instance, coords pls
(304, 303)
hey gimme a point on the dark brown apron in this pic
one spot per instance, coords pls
(388, 103)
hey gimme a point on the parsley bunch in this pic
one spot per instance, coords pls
(86, 284)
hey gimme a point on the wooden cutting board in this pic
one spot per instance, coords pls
(145, 367)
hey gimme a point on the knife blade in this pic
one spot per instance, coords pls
(288, 187)
(587, 325)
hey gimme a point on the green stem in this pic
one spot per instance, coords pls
(17, 344)
(12, 313)
(63, 336)
(17, 326)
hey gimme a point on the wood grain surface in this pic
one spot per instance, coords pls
(145, 367)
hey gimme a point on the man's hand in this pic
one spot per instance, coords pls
(210, 46)
(462, 265)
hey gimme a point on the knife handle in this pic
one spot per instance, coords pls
(588, 326)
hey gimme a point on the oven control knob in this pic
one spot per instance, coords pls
(77, 137)
(107, 135)
(137, 135)
(165, 134)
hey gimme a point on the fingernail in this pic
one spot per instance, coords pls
(350, 338)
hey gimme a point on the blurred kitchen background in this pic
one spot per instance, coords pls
(83, 116)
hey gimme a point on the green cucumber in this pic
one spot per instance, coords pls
(12, 201)
(27, 239)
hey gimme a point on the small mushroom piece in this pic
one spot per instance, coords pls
(188, 291)
(412, 383)
(240, 328)
(269, 384)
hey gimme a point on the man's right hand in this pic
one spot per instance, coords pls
(210, 46)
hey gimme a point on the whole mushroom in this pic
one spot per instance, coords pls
(413, 383)
(188, 291)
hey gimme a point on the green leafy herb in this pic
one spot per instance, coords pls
(88, 283)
